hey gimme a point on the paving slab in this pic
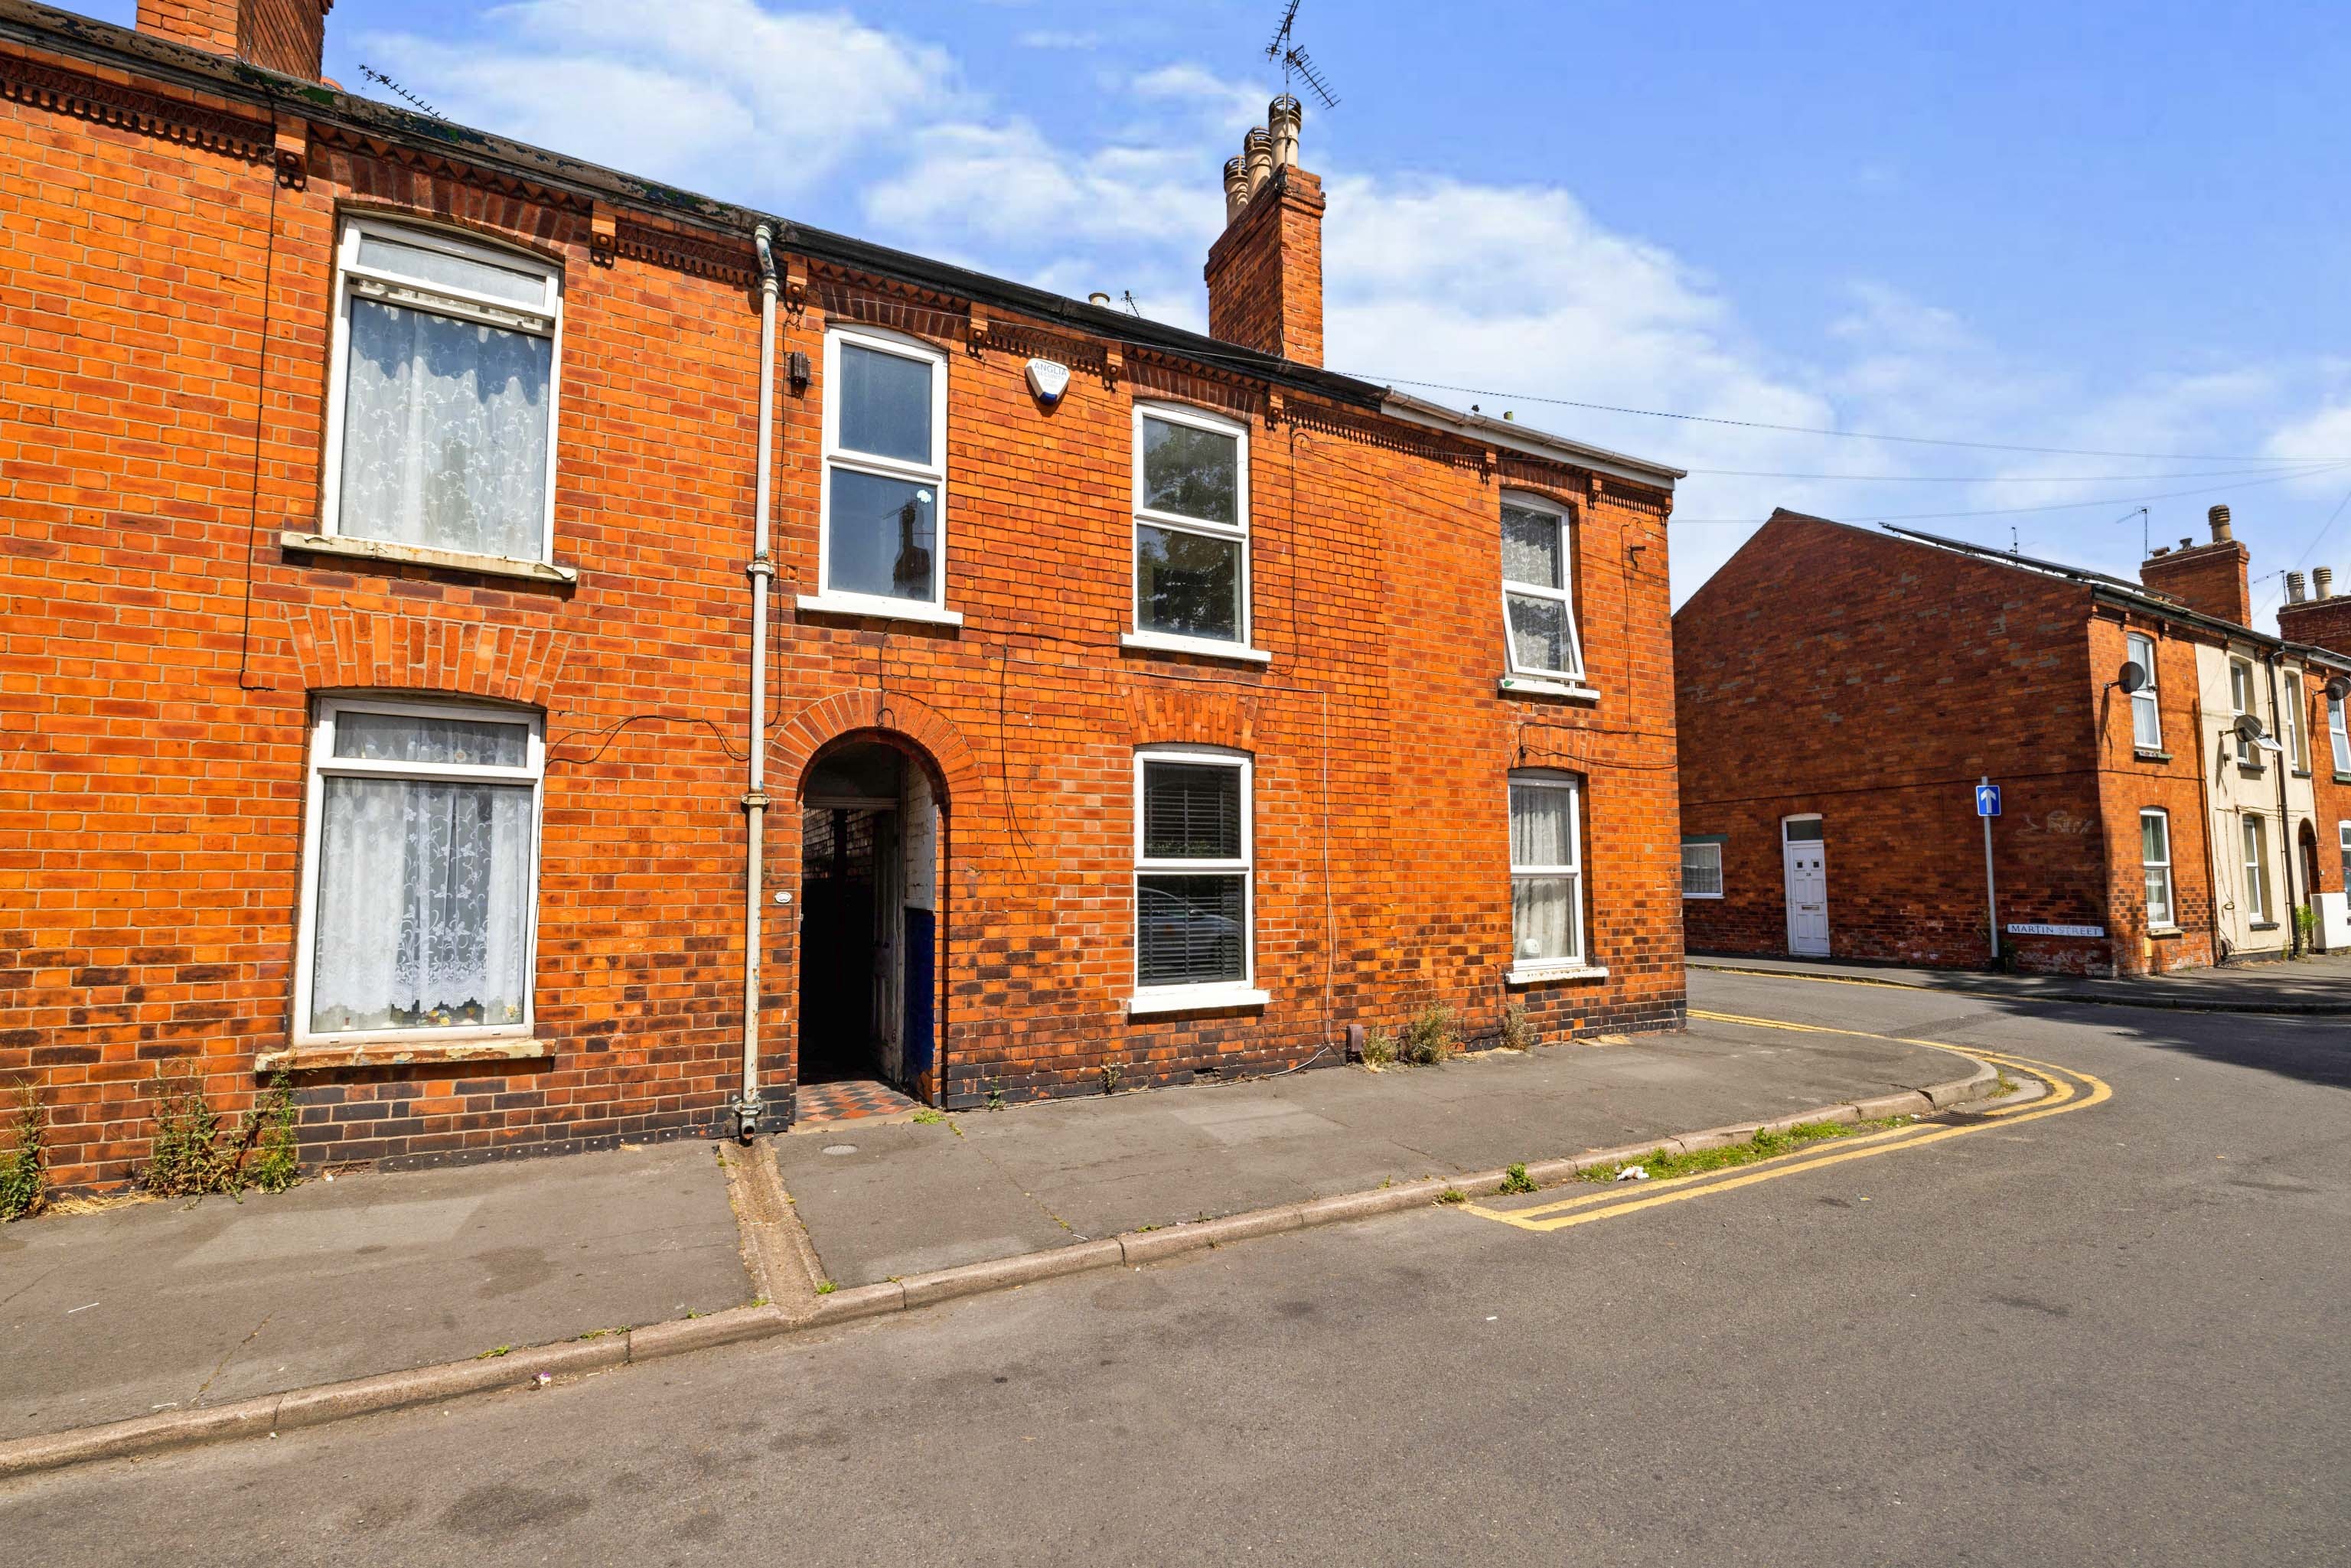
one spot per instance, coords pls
(887, 1202)
(172, 1305)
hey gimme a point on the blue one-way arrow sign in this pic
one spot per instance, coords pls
(1987, 799)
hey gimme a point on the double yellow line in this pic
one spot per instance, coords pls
(2067, 1091)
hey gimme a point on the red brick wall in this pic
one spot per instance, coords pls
(2131, 781)
(1265, 272)
(285, 36)
(2209, 578)
(163, 655)
(1873, 679)
(199, 23)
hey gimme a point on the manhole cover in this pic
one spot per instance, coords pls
(841, 1148)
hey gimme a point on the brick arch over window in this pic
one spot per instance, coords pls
(1216, 717)
(791, 749)
(350, 650)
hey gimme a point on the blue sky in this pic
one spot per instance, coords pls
(2109, 228)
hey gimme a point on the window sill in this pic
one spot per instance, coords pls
(1544, 974)
(1192, 999)
(877, 607)
(453, 1045)
(300, 543)
(2163, 933)
(1205, 647)
(2261, 926)
(1694, 897)
(2301, 772)
(1532, 686)
(2148, 754)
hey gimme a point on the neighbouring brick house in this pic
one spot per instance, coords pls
(422, 678)
(1841, 691)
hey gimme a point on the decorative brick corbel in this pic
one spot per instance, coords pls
(796, 284)
(1272, 407)
(1114, 365)
(1594, 485)
(976, 331)
(1487, 462)
(604, 236)
(293, 153)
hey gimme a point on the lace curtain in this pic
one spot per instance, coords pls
(424, 905)
(445, 433)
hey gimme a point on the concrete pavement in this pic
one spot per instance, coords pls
(885, 1202)
(172, 1305)
(2109, 1337)
(2317, 987)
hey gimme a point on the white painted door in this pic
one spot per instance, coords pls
(1806, 855)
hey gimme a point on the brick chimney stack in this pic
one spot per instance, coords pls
(2323, 621)
(1265, 272)
(2212, 579)
(289, 37)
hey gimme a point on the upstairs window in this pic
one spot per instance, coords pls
(440, 401)
(1191, 527)
(1546, 870)
(2146, 711)
(2240, 698)
(2338, 729)
(1701, 869)
(885, 467)
(2154, 865)
(421, 870)
(2297, 749)
(1192, 872)
(1538, 589)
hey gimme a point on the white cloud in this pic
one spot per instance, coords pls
(721, 95)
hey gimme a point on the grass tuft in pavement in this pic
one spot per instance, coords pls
(1763, 1145)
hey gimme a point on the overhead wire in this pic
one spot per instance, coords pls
(1821, 430)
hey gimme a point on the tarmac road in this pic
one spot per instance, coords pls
(2113, 1336)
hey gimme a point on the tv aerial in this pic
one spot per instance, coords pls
(1297, 65)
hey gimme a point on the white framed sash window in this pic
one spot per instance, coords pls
(882, 549)
(1193, 874)
(420, 872)
(1539, 589)
(441, 394)
(1191, 508)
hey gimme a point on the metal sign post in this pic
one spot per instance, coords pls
(1987, 808)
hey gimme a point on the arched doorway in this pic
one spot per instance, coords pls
(2309, 846)
(871, 809)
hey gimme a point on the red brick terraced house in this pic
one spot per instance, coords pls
(542, 658)
(1842, 693)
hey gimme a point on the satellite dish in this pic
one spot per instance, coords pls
(2338, 688)
(2132, 678)
(2248, 728)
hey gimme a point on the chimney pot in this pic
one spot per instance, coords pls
(1235, 188)
(2218, 517)
(2187, 544)
(1099, 298)
(1283, 118)
(1257, 157)
(2294, 588)
(2324, 579)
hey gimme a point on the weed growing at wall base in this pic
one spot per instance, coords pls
(194, 1153)
(23, 1179)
